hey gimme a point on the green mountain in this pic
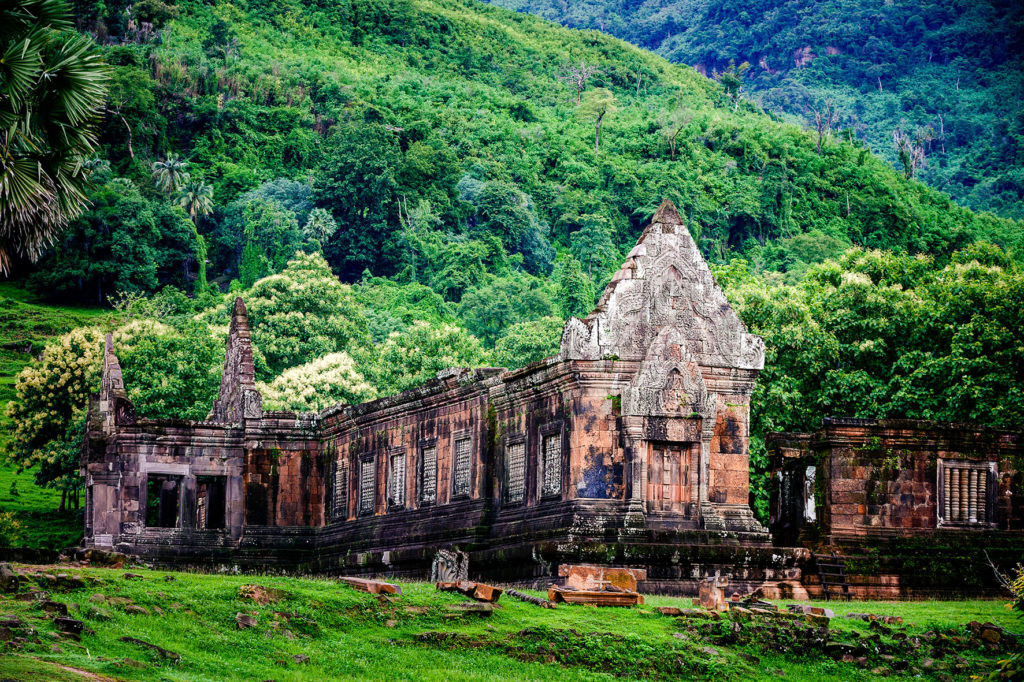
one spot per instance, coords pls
(949, 73)
(456, 125)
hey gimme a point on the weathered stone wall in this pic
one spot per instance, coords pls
(885, 477)
(873, 491)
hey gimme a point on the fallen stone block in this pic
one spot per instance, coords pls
(481, 609)
(478, 591)
(98, 557)
(70, 582)
(596, 598)
(261, 595)
(597, 578)
(817, 620)
(9, 580)
(739, 614)
(840, 650)
(69, 625)
(164, 653)
(96, 613)
(245, 621)
(55, 607)
(371, 586)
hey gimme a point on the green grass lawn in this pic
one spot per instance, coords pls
(348, 634)
(25, 326)
(41, 525)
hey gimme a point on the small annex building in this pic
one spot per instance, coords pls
(630, 447)
(918, 508)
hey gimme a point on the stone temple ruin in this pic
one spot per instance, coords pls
(629, 448)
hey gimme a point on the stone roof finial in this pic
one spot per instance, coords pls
(113, 381)
(667, 214)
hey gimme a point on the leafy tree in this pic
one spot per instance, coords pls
(51, 396)
(598, 104)
(317, 385)
(390, 306)
(272, 236)
(170, 372)
(51, 92)
(408, 358)
(456, 263)
(526, 342)
(575, 289)
(731, 79)
(486, 310)
(10, 529)
(124, 242)
(593, 247)
(303, 313)
(196, 197)
(357, 183)
(320, 226)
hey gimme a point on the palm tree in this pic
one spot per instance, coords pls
(196, 198)
(171, 173)
(52, 87)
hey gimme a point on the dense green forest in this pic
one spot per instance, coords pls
(947, 74)
(399, 187)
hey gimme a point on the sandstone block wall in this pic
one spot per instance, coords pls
(888, 477)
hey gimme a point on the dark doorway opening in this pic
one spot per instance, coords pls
(210, 502)
(162, 500)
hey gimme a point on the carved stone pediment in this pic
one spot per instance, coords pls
(664, 283)
(669, 383)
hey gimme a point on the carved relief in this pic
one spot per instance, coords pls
(669, 381)
(253, 404)
(576, 342)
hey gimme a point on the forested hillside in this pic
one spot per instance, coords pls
(443, 138)
(947, 74)
(399, 187)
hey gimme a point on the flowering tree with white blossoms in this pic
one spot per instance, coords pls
(316, 385)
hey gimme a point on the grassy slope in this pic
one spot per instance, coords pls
(25, 327)
(358, 636)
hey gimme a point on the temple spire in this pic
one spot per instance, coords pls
(664, 283)
(238, 383)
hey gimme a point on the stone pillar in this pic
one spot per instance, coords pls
(636, 446)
